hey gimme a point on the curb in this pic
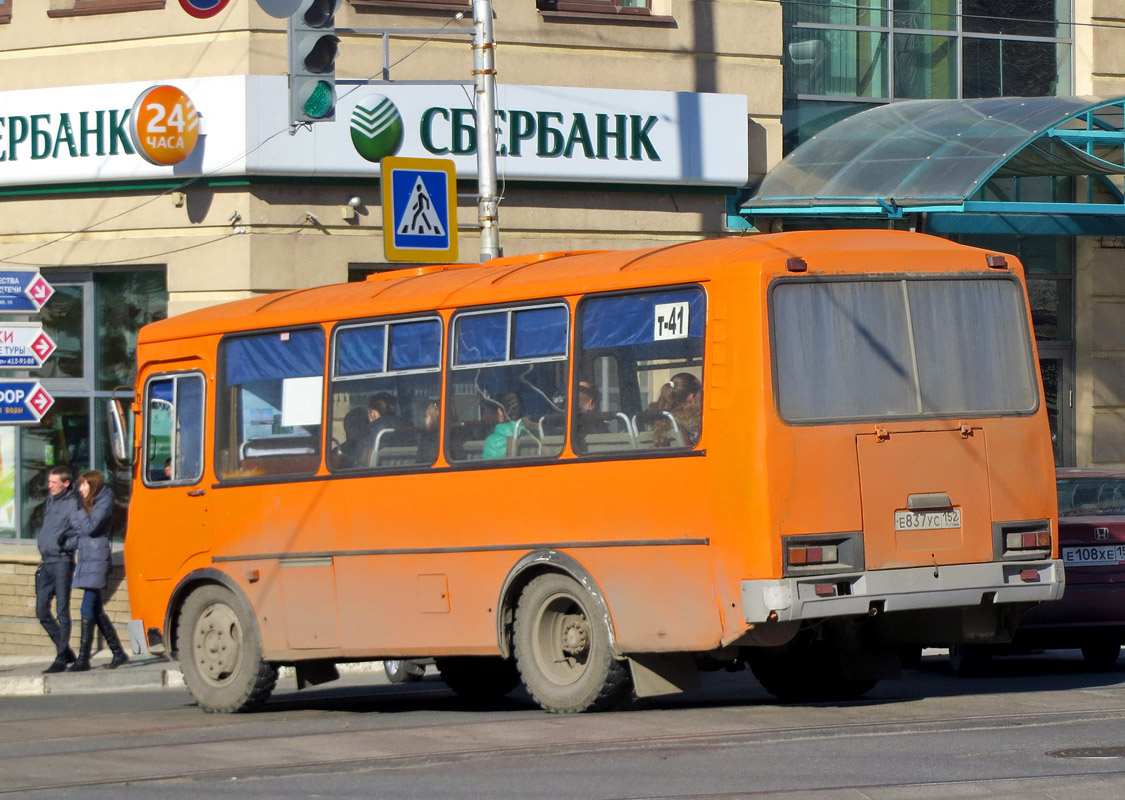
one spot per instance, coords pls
(137, 675)
(94, 681)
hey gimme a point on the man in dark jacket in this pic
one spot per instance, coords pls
(56, 571)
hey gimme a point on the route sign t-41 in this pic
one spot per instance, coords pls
(23, 291)
(419, 209)
(23, 402)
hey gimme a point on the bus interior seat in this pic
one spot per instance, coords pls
(465, 440)
(278, 455)
(642, 425)
(608, 442)
(395, 447)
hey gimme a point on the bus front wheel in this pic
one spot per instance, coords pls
(221, 652)
(563, 651)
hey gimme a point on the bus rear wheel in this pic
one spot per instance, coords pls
(221, 652)
(479, 679)
(796, 682)
(563, 651)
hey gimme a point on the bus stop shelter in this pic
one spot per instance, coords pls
(1010, 165)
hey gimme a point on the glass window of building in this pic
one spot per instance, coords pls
(841, 56)
(93, 318)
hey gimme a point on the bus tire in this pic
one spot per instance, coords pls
(221, 652)
(969, 660)
(562, 649)
(403, 670)
(1101, 654)
(794, 681)
(479, 679)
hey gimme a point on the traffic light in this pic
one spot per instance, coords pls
(313, 46)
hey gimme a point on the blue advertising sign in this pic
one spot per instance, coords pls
(23, 291)
(23, 402)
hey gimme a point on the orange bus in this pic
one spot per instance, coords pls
(597, 473)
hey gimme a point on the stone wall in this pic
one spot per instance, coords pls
(20, 632)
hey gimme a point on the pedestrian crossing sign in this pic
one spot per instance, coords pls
(419, 209)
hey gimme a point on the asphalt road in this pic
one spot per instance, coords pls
(1035, 727)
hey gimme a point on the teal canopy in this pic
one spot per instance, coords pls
(936, 155)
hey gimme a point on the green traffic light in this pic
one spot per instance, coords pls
(321, 101)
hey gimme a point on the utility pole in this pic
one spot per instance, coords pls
(484, 73)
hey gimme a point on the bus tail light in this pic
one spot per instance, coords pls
(1022, 540)
(822, 554)
(1028, 540)
(826, 554)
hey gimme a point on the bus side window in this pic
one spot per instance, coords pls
(385, 394)
(509, 383)
(270, 397)
(639, 377)
(174, 409)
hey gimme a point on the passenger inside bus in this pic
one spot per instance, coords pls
(354, 451)
(510, 426)
(677, 415)
(382, 414)
(590, 419)
(428, 442)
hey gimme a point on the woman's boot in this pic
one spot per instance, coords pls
(105, 625)
(82, 663)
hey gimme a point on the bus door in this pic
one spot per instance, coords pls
(174, 497)
(925, 497)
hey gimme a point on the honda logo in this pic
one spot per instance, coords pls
(1101, 534)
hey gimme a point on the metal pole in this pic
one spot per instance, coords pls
(484, 72)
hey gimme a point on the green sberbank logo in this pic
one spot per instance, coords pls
(376, 128)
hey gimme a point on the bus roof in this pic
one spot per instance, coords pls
(539, 275)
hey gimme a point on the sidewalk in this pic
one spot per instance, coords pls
(22, 676)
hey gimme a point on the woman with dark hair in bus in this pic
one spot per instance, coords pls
(679, 409)
(91, 524)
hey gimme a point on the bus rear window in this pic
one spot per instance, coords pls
(901, 348)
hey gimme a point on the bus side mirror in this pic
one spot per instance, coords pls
(120, 440)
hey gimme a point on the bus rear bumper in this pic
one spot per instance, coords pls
(911, 589)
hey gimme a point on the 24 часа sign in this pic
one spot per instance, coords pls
(77, 134)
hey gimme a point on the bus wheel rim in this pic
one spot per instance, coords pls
(563, 639)
(217, 642)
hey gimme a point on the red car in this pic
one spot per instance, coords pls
(1091, 614)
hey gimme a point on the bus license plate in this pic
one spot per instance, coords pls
(927, 520)
(1092, 555)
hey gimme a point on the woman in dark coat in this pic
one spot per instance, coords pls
(91, 525)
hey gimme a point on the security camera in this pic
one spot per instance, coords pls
(355, 202)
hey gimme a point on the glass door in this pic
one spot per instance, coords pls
(1057, 365)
